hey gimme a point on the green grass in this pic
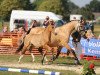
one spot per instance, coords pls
(27, 59)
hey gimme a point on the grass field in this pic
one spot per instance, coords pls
(27, 59)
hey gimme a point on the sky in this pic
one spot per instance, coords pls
(81, 3)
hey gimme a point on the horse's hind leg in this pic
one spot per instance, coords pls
(20, 47)
(33, 57)
(21, 56)
(22, 53)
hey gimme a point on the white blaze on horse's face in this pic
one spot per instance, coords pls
(77, 27)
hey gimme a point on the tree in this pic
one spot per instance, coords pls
(36, 4)
(8, 5)
(95, 5)
(86, 12)
(73, 8)
(26, 5)
(57, 6)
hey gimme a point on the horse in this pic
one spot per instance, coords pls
(36, 41)
(59, 37)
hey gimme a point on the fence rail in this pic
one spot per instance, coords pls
(9, 44)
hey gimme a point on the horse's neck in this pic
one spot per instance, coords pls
(47, 33)
(65, 30)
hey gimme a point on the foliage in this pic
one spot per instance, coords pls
(86, 12)
(8, 5)
(95, 5)
(88, 67)
(57, 6)
(60, 7)
(73, 8)
(36, 4)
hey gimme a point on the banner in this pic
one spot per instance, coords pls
(91, 47)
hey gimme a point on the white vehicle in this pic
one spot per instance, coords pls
(20, 18)
(75, 17)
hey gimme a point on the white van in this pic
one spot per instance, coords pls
(75, 17)
(20, 18)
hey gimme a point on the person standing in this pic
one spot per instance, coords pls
(5, 29)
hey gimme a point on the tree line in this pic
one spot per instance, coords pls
(60, 7)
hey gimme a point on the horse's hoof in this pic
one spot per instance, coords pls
(42, 62)
(19, 62)
(46, 63)
(33, 60)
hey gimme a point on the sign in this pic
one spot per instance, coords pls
(91, 47)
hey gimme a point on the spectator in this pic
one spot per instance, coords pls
(5, 29)
(89, 35)
(21, 30)
(87, 26)
(76, 37)
(15, 30)
(46, 22)
(34, 24)
(92, 26)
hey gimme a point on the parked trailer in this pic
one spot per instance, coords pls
(20, 18)
(75, 17)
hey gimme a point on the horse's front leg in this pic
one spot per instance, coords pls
(46, 47)
(72, 51)
(52, 50)
(58, 52)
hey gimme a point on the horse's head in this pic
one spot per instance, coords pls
(78, 25)
(49, 28)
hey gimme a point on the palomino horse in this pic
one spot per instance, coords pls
(36, 41)
(60, 37)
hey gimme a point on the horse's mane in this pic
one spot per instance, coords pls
(67, 24)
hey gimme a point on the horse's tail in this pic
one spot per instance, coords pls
(20, 46)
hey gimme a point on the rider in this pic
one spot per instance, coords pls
(34, 24)
(46, 22)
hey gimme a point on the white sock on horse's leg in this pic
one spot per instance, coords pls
(45, 58)
(33, 57)
(20, 58)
